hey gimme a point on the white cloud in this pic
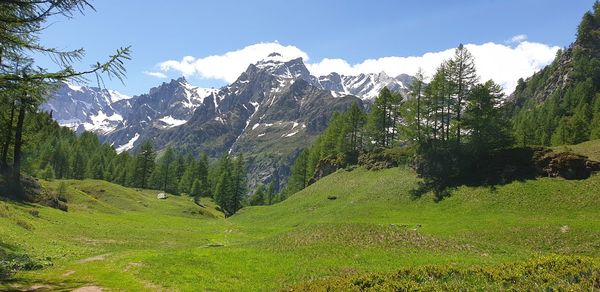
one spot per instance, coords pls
(156, 74)
(518, 39)
(501, 63)
(504, 64)
(230, 65)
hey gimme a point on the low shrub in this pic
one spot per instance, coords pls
(10, 263)
(386, 158)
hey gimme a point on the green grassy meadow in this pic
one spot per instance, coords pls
(122, 239)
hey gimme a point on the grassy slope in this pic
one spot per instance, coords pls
(372, 226)
(591, 149)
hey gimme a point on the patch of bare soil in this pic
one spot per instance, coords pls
(93, 259)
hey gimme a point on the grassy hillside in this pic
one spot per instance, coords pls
(591, 149)
(310, 241)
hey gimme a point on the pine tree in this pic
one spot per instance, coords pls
(239, 183)
(144, 165)
(356, 119)
(483, 118)
(224, 187)
(189, 176)
(378, 122)
(299, 174)
(78, 166)
(180, 166)
(463, 76)
(595, 122)
(48, 173)
(271, 194)
(196, 189)
(96, 167)
(561, 134)
(166, 172)
(203, 170)
(258, 198)
(416, 92)
(580, 124)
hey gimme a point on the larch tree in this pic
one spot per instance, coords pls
(417, 92)
(463, 76)
(144, 165)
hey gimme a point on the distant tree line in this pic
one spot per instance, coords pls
(62, 154)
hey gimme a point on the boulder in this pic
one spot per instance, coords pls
(565, 164)
(161, 196)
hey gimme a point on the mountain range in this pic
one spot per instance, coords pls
(273, 110)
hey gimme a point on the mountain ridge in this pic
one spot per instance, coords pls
(272, 110)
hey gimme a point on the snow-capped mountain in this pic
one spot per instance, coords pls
(272, 111)
(365, 86)
(108, 112)
(86, 108)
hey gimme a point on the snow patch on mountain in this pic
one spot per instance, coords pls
(365, 86)
(103, 123)
(117, 96)
(290, 134)
(74, 87)
(172, 122)
(129, 144)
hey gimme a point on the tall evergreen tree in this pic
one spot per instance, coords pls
(379, 121)
(417, 92)
(144, 165)
(463, 76)
(271, 194)
(299, 174)
(203, 170)
(239, 183)
(224, 187)
(484, 120)
(258, 198)
(166, 172)
(196, 189)
(356, 119)
(78, 165)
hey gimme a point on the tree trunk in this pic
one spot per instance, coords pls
(166, 179)
(144, 170)
(459, 99)
(419, 112)
(18, 143)
(8, 137)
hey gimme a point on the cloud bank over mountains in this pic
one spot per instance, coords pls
(503, 63)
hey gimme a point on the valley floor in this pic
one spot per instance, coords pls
(117, 238)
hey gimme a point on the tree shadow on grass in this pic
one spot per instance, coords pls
(444, 171)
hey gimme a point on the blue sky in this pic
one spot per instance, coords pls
(352, 31)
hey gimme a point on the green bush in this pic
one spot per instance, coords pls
(11, 263)
(386, 158)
